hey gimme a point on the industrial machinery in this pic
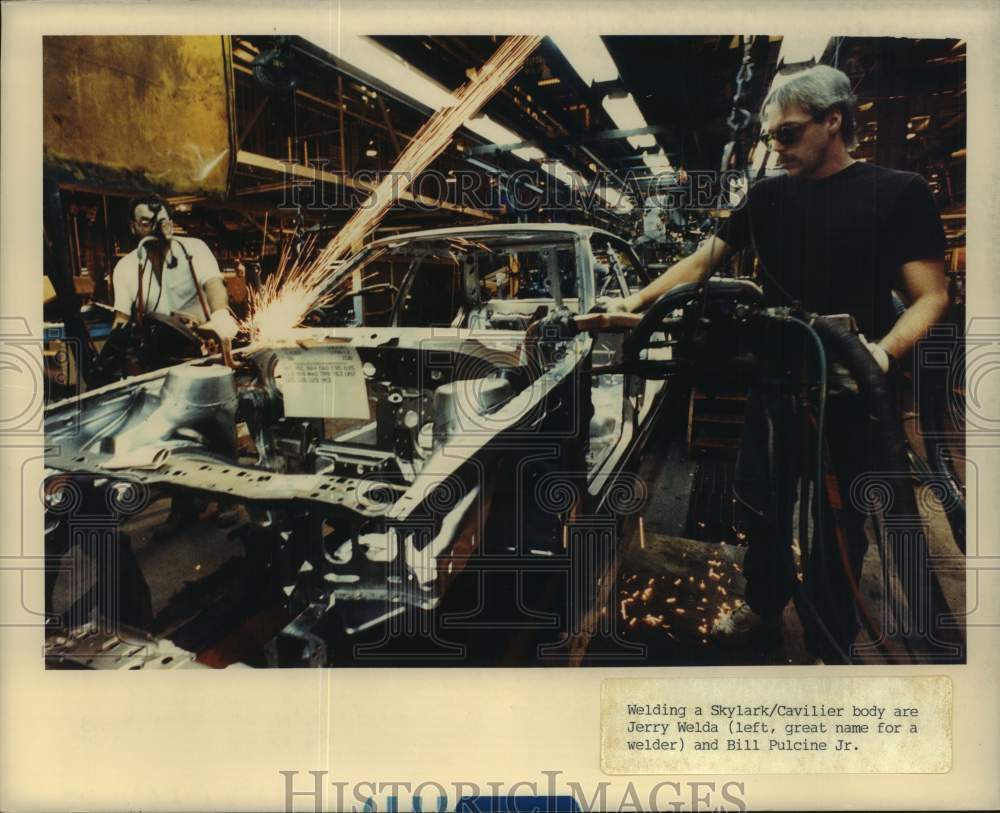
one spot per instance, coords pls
(428, 435)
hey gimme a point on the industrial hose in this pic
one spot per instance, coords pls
(909, 554)
(873, 383)
(818, 545)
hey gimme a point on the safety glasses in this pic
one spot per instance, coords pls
(786, 135)
(150, 222)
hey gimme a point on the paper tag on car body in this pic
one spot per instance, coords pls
(322, 382)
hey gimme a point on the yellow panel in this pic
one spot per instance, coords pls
(139, 112)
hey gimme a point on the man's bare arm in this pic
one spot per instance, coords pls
(928, 291)
(693, 268)
(216, 294)
(608, 321)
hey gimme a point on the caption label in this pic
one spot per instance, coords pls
(776, 725)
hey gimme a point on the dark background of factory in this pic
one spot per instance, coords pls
(309, 109)
(303, 123)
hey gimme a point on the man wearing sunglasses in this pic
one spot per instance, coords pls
(836, 236)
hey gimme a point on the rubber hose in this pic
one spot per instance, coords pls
(890, 442)
(890, 448)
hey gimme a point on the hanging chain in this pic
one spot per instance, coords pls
(739, 117)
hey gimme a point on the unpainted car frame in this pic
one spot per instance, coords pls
(377, 463)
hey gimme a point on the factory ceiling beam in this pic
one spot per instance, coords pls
(249, 159)
(547, 111)
(537, 109)
(352, 73)
(572, 139)
(335, 110)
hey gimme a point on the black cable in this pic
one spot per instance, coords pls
(149, 285)
(819, 530)
(802, 599)
(820, 424)
(818, 541)
(920, 585)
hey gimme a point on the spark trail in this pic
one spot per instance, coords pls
(300, 287)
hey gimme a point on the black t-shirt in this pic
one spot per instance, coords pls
(836, 245)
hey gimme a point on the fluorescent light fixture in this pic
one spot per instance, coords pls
(624, 112)
(561, 172)
(588, 56)
(798, 48)
(644, 140)
(483, 165)
(616, 199)
(366, 54)
(369, 56)
(657, 161)
(496, 133)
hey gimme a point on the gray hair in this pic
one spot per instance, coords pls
(819, 91)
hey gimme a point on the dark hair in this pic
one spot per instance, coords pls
(819, 91)
(152, 200)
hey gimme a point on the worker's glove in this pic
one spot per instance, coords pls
(879, 353)
(222, 324)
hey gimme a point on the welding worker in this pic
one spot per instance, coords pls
(837, 236)
(174, 276)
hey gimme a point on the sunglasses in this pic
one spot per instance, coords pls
(786, 135)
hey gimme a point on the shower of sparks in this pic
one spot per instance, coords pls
(698, 607)
(287, 296)
(299, 288)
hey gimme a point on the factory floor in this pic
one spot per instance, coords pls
(670, 600)
(680, 577)
(670, 596)
(674, 596)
